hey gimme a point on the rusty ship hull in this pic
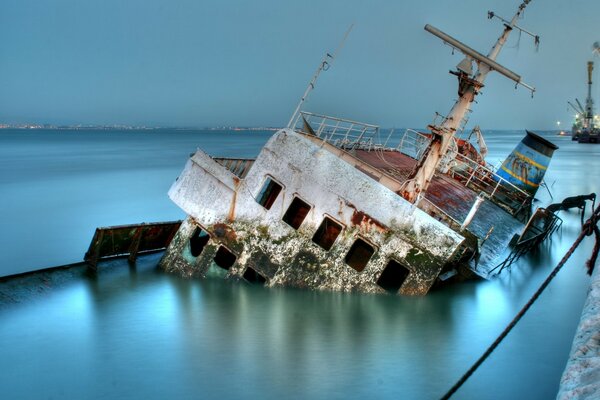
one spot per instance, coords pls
(379, 241)
(283, 249)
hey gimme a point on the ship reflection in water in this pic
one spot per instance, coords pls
(141, 334)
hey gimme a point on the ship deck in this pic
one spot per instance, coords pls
(454, 199)
(447, 199)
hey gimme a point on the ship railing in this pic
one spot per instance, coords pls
(349, 134)
(480, 177)
(340, 132)
(436, 212)
(411, 143)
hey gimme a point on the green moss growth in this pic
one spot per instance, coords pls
(263, 231)
(420, 259)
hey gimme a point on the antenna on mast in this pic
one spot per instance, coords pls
(536, 38)
(323, 66)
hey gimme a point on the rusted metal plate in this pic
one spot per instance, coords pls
(452, 197)
(130, 240)
(393, 163)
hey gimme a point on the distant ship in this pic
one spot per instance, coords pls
(329, 205)
(586, 127)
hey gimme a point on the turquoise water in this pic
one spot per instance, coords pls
(58, 186)
(137, 333)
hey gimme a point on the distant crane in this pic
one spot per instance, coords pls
(584, 117)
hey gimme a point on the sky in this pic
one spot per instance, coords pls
(246, 63)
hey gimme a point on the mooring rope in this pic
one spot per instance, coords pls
(589, 228)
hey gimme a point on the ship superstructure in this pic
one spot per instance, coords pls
(329, 204)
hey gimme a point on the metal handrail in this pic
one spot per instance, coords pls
(489, 172)
(489, 182)
(339, 131)
(411, 139)
(452, 223)
(337, 119)
(350, 133)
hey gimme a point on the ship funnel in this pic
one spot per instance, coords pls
(526, 165)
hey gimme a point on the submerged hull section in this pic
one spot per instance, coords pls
(303, 216)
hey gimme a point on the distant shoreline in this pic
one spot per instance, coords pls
(130, 128)
(30, 127)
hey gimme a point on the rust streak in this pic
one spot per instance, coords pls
(362, 218)
(231, 213)
(224, 231)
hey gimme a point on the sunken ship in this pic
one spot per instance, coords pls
(328, 204)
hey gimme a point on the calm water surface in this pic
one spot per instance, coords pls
(137, 333)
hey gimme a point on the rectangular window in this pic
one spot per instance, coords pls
(224, 258)
(328, 231)
(295, 214)
(198, 240)
(252, 276)
(359, 255)
(393, 276)
(268, 194)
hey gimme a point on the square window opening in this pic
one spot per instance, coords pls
(359, 255)
(198, 241)
(253, 276)
(224, 258)
(268, 194)
(393, 276)
(327, 233)
(295, 214)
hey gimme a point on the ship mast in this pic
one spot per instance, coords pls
(469, 86)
